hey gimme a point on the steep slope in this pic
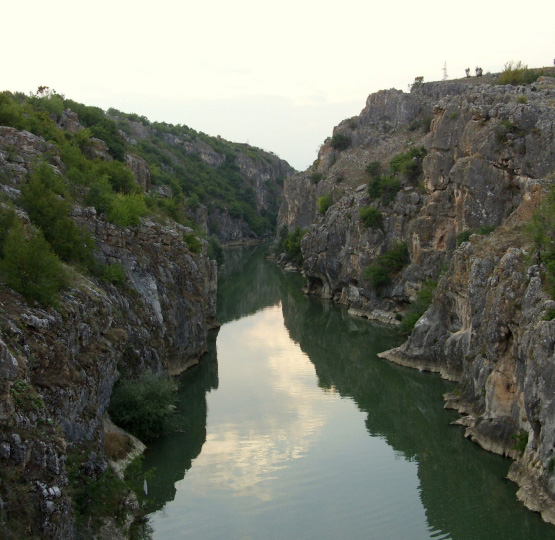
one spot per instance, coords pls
(387, 206)
(142, 300)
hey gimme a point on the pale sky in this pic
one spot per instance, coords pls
(276, 75)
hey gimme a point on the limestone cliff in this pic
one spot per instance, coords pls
(58, 366)
(239, 185)
(489, 159)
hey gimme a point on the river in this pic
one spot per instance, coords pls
(292, 428)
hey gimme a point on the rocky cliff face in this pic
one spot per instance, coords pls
(260, 173)
(58, 367)
(489, 158)
(486, 148)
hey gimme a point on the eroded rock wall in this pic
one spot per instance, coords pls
(58, 367)
(490, 160)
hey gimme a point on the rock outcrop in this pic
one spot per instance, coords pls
(487, 147)
(58, 367)
(489, 161)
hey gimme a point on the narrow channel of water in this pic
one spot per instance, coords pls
(294, 429)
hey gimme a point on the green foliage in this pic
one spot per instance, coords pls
(324, 202)
(114, 273)
(26, 397)
(126, 210)
(385, 266)
(522, 99)
(371, 217)
(550, 315)
(21, 113)
(290, 244)
(516, 73)
(423, 302)
(541, 231)
(464, 236)
(120, 177)
(384, 187)
(340, 142)
(521, 441)
(215, 250)
(48, 204)
(316, 177)
(408, 164)
(7, 220)
(30, 267)
(100, 195)
(101, 126)
(97, 495)
(373, 168)
(193, 242)
(143, 406)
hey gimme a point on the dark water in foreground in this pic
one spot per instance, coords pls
(294, 429)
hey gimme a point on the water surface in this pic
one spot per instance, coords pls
(292, 428)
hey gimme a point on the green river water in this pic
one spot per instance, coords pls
(292, 428)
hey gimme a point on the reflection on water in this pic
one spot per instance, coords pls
(298, 430)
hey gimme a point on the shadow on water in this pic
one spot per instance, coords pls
(171, 456)
(246, 283)
(462, 488)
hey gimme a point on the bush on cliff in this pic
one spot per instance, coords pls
(385, 266)
(416, 310)
(408, 163)
(30, 267)
(516, 73)
(384, 187)
(126, 210)
(324, 202)
(143, 406)
(340, 142)
(47, 201)
(371, 217)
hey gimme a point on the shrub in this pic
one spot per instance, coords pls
(324, 202)
(423, 301)
(316, 177)
(409, 163)
(371, 217)
(215, 250)
(516, 73)
(143, 406)
(290, 243)
(30, 267)
(48, 204)
(100, 195)
(384, 187)
(114, 273)
(126, 210)
(120, 177)
(193, 242)
(374, 168)
(340, 142)
(379, 274)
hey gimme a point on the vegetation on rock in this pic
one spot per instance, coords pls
(143, 406)
(385, 266)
